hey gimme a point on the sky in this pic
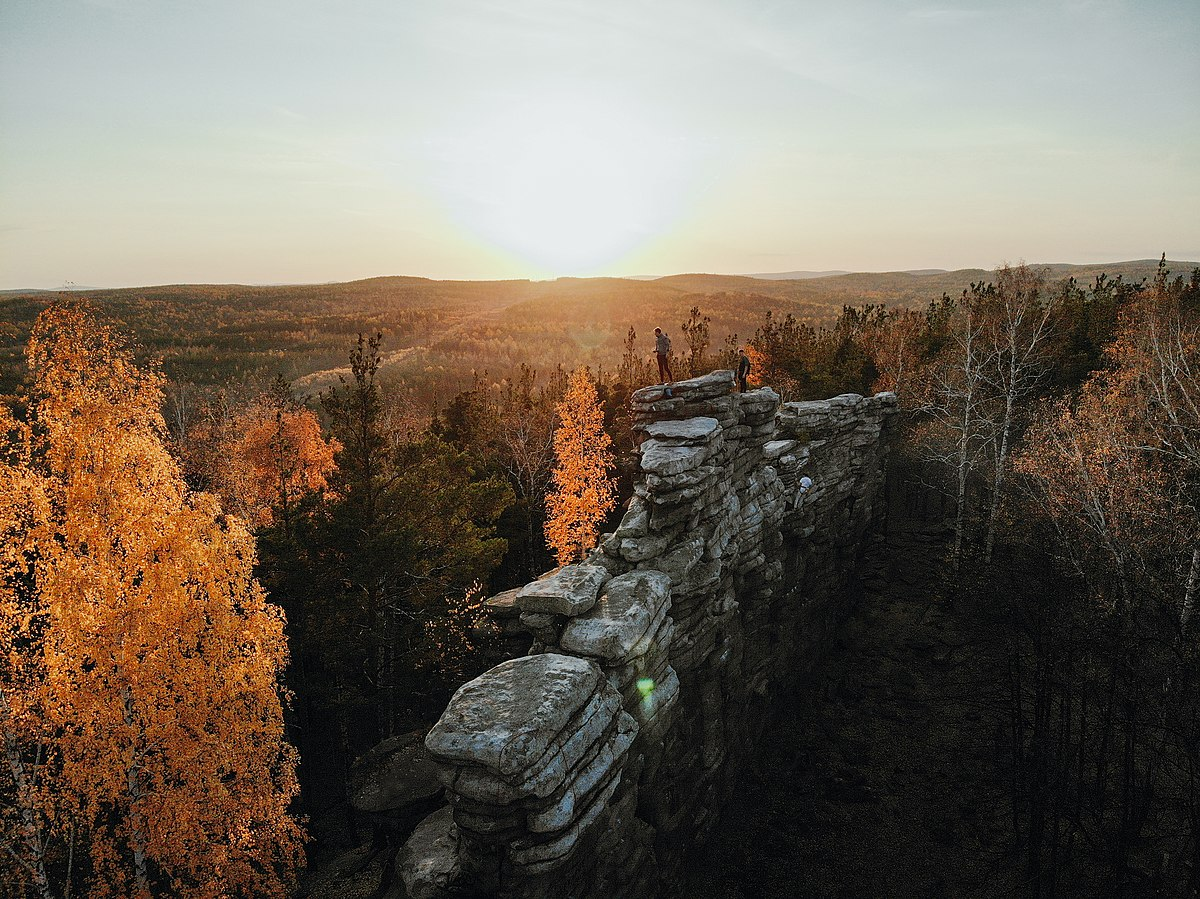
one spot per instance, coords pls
(297, 141)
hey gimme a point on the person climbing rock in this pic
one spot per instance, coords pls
(662, 349)
(743, 370)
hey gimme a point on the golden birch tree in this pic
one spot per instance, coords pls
(275, 457)
(143, 712)
(583, 492)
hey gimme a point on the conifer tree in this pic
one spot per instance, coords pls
(140, 709)
(695, 332)
(584, 492)
(408, 523)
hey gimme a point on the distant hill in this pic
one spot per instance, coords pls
(795, 276)
(439, 336)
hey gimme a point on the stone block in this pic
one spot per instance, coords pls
(667, 459)
(628, 607)
(570, 590)
(642, 548)
(505, 719)
(428, 863)
(635, 521)
(592, 773)
(677, 563)
(699, 430)
(714, 384)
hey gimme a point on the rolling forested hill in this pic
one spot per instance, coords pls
(438, 334)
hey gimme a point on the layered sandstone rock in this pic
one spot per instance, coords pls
(593, 766)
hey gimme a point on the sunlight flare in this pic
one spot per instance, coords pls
(565, 184)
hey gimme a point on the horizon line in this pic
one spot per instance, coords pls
(802, 274)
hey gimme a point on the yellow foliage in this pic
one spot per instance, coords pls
(276, 456)
(583, 492)
(140, 660)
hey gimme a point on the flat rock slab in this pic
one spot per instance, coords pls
(623, 615)
(506, 719)
(665, 459)
(503, 605)
(808, 407)
(546, 775)
(690, 430)
(846, 401)
(707, 386)
(394, 775)
(761, 400)
(571, 590)
(777, 448)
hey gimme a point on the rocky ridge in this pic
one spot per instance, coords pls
(593, 765)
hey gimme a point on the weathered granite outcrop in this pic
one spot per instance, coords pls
(594, 765)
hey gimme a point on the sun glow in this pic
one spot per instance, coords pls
(570, 187)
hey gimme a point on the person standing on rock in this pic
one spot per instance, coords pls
(743, 370)
(662, 349)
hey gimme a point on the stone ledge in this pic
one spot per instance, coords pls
(506, 719)
(569, 590)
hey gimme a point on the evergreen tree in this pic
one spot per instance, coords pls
(695, 332)
(408, 524)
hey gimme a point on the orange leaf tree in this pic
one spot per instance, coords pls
(583, 492)
(142, 714)
(276, 456)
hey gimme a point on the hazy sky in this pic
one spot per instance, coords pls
(263, 141)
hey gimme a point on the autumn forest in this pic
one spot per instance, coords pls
(248, 535)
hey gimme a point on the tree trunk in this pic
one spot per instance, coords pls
(387, 671)
(137, 825)
(960, 496)
(998, 481)
(30, 831)
(70, 864)
(1189, 593)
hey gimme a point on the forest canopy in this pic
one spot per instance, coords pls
(290, 539)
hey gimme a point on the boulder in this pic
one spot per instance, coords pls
(503, 605)
(394, 786)
(666, 459)
(713, 384)
(505, 719)
(777, 448)
(574, 741)
(642, 548)
(570, 590)
(689, 430)
(428, 863)
(624, 614)
(636, 520)
(679, 562)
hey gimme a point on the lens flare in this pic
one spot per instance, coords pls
(645, 686)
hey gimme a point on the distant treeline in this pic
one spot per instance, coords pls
(214, 334)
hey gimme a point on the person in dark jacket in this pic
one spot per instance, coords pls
(743, 370)
(662, 349)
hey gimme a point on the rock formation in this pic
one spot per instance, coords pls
(593, 765)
